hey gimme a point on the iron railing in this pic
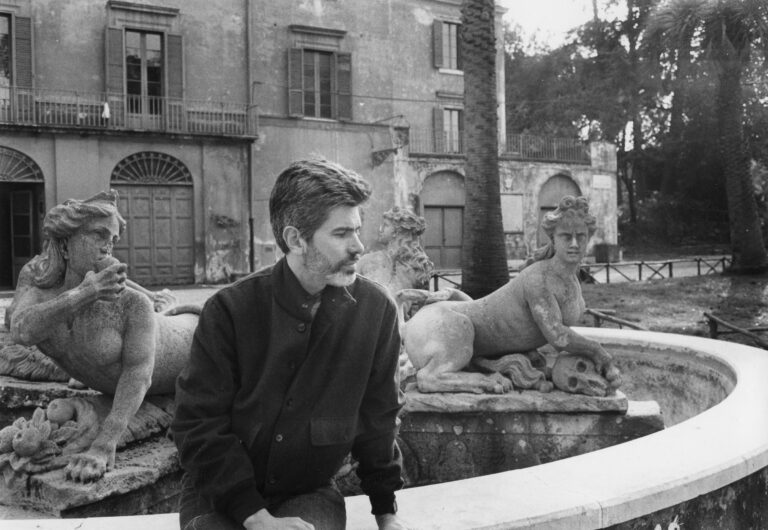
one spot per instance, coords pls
(547, 148)
(99, 110)
(435, 142)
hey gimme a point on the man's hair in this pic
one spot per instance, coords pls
(306, 192)
(569, 206)
(61, 222)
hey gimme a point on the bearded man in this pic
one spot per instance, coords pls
(292, 368)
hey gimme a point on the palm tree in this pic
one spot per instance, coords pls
(724, 32)
(483, 255)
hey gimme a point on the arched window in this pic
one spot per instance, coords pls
(16, 166)
(151, 168)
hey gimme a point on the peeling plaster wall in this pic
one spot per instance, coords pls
(524, 179)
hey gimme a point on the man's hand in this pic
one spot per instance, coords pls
(263, 520)
(390, 521)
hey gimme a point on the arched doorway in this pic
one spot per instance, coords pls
(156, 199)
(551, 192)
(22, 205)
(442, 199)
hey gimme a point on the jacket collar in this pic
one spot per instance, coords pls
(292, 297)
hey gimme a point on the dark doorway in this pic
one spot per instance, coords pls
(21, 212)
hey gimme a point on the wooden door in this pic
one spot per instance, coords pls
(444, 234)
(22, 230)
(158, 244)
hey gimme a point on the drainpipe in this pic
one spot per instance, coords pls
(248, 29)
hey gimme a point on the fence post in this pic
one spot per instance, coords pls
(640, 271)
(670, 269)
(698, 266)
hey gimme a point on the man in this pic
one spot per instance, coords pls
(290, 369)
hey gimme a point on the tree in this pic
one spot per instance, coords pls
(483, 255)
(725, 32)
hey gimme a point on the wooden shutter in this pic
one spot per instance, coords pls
(23, 52)
(344, 86)
(295, 82)
(114, 77)
(437, 43)
(439, 133)
(174, 54)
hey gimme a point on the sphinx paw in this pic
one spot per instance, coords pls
(87, 467)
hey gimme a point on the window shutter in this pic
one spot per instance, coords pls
(344, 86)
(437, 43)
(23, 51)
(114, 76)
(439, 129)
(295, 82)
(175, 66)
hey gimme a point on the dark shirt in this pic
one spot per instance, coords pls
(272, 399)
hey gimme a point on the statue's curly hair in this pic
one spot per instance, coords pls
(61, 222)
(569, 206)
(404, 221)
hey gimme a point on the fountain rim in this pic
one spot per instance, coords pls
(706, 452)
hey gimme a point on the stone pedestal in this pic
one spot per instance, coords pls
(146, 477)
(455, 436)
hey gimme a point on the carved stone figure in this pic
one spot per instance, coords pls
(535, 308)
(576, 374)
(401, 263)
(73, 301)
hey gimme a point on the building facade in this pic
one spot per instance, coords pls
(190, 110)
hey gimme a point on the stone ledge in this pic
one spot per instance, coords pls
(515, 401)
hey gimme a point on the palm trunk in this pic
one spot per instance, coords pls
(749, 254)
(483, 256)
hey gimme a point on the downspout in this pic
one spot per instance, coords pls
(248, 29)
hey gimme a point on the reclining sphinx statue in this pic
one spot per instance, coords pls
(499, 334)
(75, 303)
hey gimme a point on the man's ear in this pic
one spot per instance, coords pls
(293, 239)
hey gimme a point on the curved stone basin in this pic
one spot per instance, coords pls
(714, 395)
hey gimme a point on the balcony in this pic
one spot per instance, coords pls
(519, 146)
(118, 112)
(547, 149)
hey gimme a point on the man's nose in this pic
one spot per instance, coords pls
(356, 246)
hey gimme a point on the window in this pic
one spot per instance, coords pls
(5, 52)
(144, 71)
(447, 53)
(319, 84)
(449, 130)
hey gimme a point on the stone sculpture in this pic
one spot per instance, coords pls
(73, 301)
(502, 331)
(401, 262)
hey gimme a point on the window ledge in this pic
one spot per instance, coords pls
(450, 71)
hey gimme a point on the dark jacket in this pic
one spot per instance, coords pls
(272, 401)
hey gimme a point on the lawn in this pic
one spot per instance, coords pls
(677, 305)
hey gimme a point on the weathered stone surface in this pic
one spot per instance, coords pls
(511, 402)
(455, 436)
(16, 393)
(144, 477)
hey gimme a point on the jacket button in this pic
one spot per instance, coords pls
(305, 306)
(279, 438)
(272, 480)
(289, 402)
(301, 327)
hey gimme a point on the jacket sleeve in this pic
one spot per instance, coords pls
(375, 448)
(210, 452)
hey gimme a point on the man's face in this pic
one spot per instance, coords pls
(335, 248)
(570, 238)
(92, 241)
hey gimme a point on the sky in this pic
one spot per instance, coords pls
(551, 19)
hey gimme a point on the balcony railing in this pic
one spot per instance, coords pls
(547, 148)
(433, 142)
(83, 110)
(524, 147)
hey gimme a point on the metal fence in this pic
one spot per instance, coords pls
(67, 108)
(547, 148)
(621, 271)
